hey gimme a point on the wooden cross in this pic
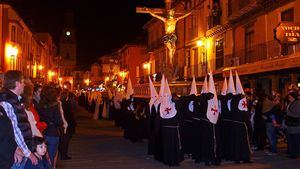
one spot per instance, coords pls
(160, 10)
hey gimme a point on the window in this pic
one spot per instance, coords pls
(188, 59)
(219, 53)
(229, 8)
(249, 43)
(67, 55)
(288, 15)
(13, 33)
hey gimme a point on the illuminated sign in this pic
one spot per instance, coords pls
(287, 33)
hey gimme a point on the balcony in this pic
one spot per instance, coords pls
(270, 3)
(242, 8)
(213, 21)
(260, 52)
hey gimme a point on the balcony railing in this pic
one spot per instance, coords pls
(237, 10)
(269, 3)
(259, 52)
(219, 62)
(213, 21)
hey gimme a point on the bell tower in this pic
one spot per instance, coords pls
(68, 45)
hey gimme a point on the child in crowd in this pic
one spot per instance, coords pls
(39, 148)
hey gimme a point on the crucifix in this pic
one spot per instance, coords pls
(170, 18)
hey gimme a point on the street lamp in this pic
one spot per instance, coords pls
(40, 67)
(87, 82)
(123, 75)
(12, 52)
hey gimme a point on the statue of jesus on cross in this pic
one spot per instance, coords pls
(170, 22)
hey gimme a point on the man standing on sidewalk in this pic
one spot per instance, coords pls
(13, 87)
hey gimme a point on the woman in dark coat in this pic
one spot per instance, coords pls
(70, 118)
(49, 112)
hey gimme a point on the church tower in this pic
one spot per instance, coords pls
(68, 45)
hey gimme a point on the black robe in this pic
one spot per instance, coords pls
(200, 108)
(171, 142)
(210, 134)
(225, 126)
(240, 132)
(151, 137)
(186, 130)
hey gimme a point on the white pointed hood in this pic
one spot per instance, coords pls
(204, 87)
(162, 88)
(167, 107)
(224, 87)
(238, 85)
(231, 88)
(212, 107)
(194, 87)
(242, 106)
(153, 95)
(129, 90)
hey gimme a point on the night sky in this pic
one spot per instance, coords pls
(102, 25)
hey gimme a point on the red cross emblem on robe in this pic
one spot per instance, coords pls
(244, 104)
(168, 109)
(214, 110)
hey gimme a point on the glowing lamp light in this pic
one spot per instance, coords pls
(200, 43)
(68, 33)
(40, 67)
(60, 79)
(11, 50)
(146, 65)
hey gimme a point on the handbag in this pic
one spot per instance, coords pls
(291, 121)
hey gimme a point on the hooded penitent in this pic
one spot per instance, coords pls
(154, 99)
(167, 107)
(231, 88)
(239, 90)
(194, 87)
(162, 88)
(193, 92)
(224, 87)
(212, 108)
(204, 87)
(129, 90)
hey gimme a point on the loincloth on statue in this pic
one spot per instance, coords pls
(170, 38)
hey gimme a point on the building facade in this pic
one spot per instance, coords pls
(231, 35)
(21, 49)
(132, 58)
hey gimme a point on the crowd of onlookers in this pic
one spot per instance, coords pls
(36, 123)
(276, 118)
